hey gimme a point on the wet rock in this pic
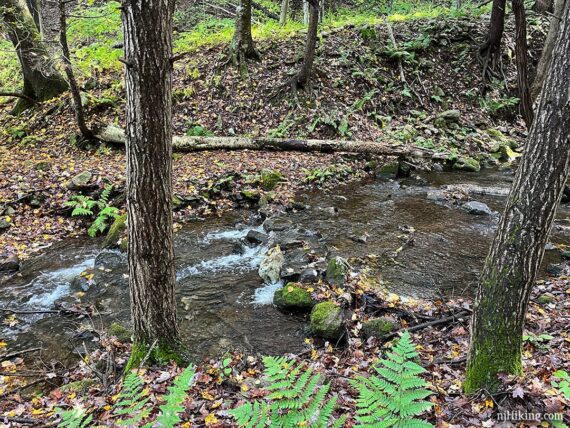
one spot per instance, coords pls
(327, 321)
(79, 283)
(116, 231)
(565, 255)
(270, 266)
(436, 195)
(270, 179)
(120, 332)
(295, 261)
(450, 116)
(308, 276)
(290, 243)
(467, 164)
(276, 224)
(9, 263)
(255, 237)
(293, 298)
(80, 181)
(379, 327)
(110, 259)
(388, 170)
(359, 238)
(296, 206)
(331, 211)
(5, 223)
(337, 271)
(477, 208)
(554, 270)
(437, 167)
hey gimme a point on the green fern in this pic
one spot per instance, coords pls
(74, 418)
(131, 401)
(297, 398)
(177, 393)
(85, 206)
(393, 397)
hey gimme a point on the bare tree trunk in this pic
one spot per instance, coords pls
(242, 47)
(304, 74)
(147, 30)
(521, 54)
(42, 81)
(517, 250)
(491, 49)
(284, 12)
(74, 88)
(546, 56)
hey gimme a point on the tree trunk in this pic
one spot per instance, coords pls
(284, 12)
(521, 54)
(74, 88)
(42, 81)
(491, 49)
(306, 12)
(147, 30)
(546, 56)
(241, 46)
(34, 7)
(304, 74)
(543, 6)
(516, 253)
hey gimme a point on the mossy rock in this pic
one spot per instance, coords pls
(545, 299)
(467, 164)
(379, 327)
(251, 194)
(327, 321)
(337, 271)
(116, 232)
(292, 297)
(79, 386)
(270, 179)
(120, 332)
(508, 154)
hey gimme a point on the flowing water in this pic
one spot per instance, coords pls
(224, 304)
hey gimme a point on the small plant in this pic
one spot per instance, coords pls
(539, 341)
(198, 131)
(563, 384)
(320, 175)
(86, 206)
(394, 396)
(297, 398)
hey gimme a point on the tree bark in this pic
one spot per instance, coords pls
(491, 49)
(242, 47)
(517, 250)
(42, 81)
(521, 54)
(147, 30)
(284, 12)
(74, 88)
(113, 134)
(304, 74)
(543, 6)
(546, 56)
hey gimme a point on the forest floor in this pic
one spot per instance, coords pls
(356, 94)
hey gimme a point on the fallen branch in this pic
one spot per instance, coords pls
(17, 95)
(265, 10)
(40, 311)
(439, 321)
(115, 135)
(17, 353)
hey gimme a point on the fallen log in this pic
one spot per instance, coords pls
(115, 135)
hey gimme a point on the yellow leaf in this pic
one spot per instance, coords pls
(8, 218)
(290, 289)
(211, 419)
(244, 388)
(489, 403)
(207, 396)
(3, 344)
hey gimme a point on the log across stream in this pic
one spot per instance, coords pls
(224, 304)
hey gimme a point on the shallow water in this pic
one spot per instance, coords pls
(223, 303)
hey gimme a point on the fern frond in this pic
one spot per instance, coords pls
(74, 418)
(131, 401)
(177, 392)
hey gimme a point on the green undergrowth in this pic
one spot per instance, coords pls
(95, 32)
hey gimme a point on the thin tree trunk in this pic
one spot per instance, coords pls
(517, 250)
(491, 49)
(546, 56)
(74, 88)
(284, 12)
(147, 30)
(304, 74)
(306, 7)
(35, 10)
(42, 81)
(521, 54)
(241, 46)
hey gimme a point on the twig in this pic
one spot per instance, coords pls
(15, 354)
(42, 311)
(439, 321)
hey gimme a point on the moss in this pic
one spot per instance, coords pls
(337, 270)
(79, 386)
(116, 231)
(251, 194)
(545, 299)
(120, 332)
(293, 297)
(507, 154)
(379, 327)
(467, 164)
(327, 321)
(159, 355)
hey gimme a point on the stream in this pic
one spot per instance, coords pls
(223, 303)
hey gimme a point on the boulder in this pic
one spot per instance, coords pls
(116, 232)
(270, 179)
(79, 283)
(271, 264)
(293, 298)
(477, 208)
(467, 164)
(80, 181)
(450, 116)
(309, 276)
(255, 237)
(337, 271)
(295, 261)
(327, 321)
(508, 154)
(9, 263)
(277, 224)
(379, 327)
